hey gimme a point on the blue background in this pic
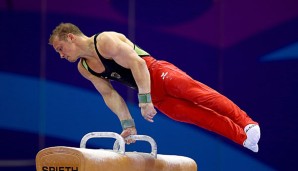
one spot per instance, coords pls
(248, 51)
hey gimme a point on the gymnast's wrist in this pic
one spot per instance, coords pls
(127, 123)
(144, 105)
(144, 98)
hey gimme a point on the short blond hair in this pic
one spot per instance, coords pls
(62, 30)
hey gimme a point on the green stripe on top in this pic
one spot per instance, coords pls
(85, 64)
(140, 51)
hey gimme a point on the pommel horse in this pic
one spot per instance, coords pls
(62, 158)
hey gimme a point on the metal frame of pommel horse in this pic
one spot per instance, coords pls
(119, 144)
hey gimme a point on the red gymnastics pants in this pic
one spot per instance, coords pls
(184, 99)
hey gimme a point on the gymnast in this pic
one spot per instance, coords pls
(110, 56)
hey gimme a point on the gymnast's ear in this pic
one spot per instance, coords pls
(71, 36)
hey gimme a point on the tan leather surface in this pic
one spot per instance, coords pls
(80, 159)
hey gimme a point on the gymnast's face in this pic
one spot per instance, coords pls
(66, 48)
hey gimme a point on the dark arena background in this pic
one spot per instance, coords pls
(246, 50)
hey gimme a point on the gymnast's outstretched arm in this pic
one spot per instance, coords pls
(112, 99)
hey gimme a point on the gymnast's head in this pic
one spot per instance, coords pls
(63, 30)
(64, 40)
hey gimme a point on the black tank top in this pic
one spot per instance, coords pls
(114, 71)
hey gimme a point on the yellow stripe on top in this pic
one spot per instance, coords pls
(85, 64)
(140, 51)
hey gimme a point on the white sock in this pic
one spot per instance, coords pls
(253, 134)
(251, 146)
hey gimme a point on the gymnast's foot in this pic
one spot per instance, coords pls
(253, 134)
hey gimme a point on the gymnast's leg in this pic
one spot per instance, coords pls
(181, 86)
(185, 111)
